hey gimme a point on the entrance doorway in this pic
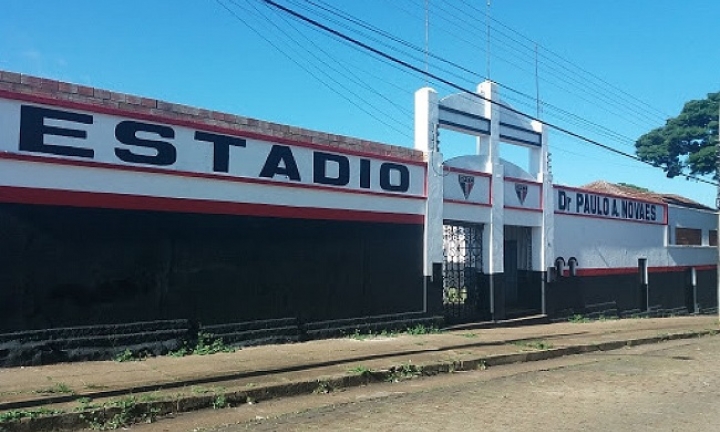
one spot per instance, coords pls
(523, 286)
(466, 296)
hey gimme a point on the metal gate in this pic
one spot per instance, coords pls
(464, 298)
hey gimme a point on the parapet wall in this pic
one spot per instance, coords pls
(177, 113)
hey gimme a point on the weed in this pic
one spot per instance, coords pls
(250, 400)
(404, 372)
(200, 390)
(85, 403)
(533, 344)
(482, 365)
(421, 329)
(361, 370)
(469, 335)
(180, 352)
(57, 388)
(95, 386)
(323, 387)
(220, 402)
(129, 355)
(207, 343)
(149, 397)
(578, 318)
(17, 415)
(127, 415)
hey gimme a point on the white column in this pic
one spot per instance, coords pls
(426, 120)
(547, 253)
(493, 237)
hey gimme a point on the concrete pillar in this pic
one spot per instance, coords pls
(494, 236)
(426, 120)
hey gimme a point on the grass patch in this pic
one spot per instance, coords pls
(421, 329)
(578, 318)
(533, 344)
(416, 330)
(129, 413)
(206, 343)
(58, 388)
(129, 355)
(220, 402)
(361, 370)
(17, 415)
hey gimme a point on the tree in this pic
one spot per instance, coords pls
(686, 144)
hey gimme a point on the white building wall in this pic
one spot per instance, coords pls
(682, 217)
(605, 243)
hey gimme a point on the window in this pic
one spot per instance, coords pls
(688, 236)
(713, 238)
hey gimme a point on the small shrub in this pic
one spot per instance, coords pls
(57, 388)
(323, 387)
(207, 343)
(220, 402)
(361, 370)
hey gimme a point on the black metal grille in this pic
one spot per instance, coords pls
(462, 264)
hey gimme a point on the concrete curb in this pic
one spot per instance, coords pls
(135, 412)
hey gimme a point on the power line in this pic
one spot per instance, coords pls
(451, 84)
(307, 70)
(638, 102)
(342, 15)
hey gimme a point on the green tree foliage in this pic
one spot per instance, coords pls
(686, 144)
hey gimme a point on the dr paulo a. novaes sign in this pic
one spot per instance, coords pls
(580, 202)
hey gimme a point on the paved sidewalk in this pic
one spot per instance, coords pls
(275, 370)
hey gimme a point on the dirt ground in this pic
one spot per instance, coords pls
(672, 386)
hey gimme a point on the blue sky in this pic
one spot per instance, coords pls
(609, 70)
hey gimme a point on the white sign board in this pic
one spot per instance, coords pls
(579, 202)
(116, 152)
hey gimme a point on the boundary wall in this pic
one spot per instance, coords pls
(118, 209)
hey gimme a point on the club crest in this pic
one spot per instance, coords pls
(466, 184)
(521, 192)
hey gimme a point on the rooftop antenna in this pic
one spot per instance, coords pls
(427, 39)
(487, 26)
(537, 82)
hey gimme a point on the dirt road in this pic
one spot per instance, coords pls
(672, 386)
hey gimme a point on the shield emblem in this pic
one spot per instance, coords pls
(521, 192)
(466, 184)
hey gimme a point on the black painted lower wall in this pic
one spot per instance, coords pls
(65, 266)
(622, 292)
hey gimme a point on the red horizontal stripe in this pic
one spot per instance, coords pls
(634, 270)
(19, 195)
(455, 201)
(524, 209)
(159, 118)
(191, 174)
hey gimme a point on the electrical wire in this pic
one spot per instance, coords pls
(457, 87)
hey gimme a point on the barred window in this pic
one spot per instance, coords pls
(713, 238)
